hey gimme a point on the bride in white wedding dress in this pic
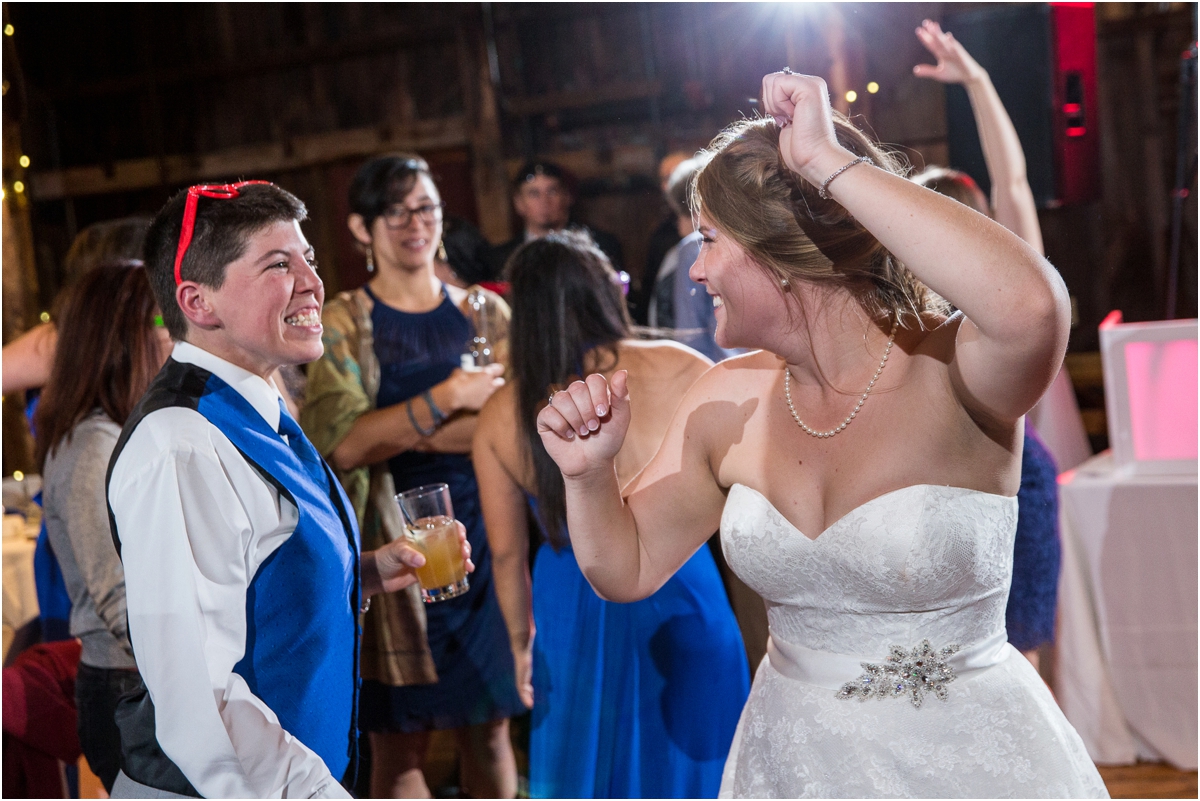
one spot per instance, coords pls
(862, 466)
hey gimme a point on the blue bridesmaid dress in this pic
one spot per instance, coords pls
(636, 700)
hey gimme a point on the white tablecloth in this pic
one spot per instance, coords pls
(20, 594)
(1126, 666)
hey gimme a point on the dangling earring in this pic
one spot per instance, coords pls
(442, 252)
(370, 261)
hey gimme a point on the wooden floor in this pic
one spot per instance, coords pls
(1149, 780)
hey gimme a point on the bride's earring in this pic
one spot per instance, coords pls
(442, 252)
(370, 261)
(785, 284)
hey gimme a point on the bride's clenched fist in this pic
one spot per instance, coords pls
(807, 142)
(584, 425)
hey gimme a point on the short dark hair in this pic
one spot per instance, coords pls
(223, 230)
(383, 182)
(566, 301)
(549, 169)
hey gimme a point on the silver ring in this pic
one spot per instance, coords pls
(550, 400)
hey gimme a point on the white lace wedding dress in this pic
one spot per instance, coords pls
(921, 563)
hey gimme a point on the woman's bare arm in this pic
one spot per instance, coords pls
(28, 358)
(382, 433)
(1012, 198)
(504, 515)
(1018, 314)
(628, 549)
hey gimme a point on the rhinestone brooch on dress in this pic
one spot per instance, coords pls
(912, 673)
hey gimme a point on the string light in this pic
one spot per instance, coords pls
(9, 30)
(872, 87)
(4, 88)
(2, 194)
(44, 317)
(18, 475)
(18, 186)
(851, 96)
(23, 161)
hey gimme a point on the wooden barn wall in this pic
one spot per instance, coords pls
(123, 104)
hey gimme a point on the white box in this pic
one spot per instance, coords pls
(1150, 377)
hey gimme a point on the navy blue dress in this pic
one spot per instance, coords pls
(1037, 552)
(467, 636)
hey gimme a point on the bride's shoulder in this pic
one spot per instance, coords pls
(936, 334)
(740, 376)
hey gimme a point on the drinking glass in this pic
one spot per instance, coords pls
(479, 348)
(429, 520)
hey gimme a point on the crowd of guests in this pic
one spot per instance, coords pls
(627, 700)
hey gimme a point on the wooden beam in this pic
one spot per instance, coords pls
(559, 101)
(293, 58)
(247, 161)
(487, 148)
(589, 164)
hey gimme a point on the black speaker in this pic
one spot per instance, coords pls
(1042, 60)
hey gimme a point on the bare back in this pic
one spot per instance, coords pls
(660, 373)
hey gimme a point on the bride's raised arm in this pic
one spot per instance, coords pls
(1012, 342)
(628, 547)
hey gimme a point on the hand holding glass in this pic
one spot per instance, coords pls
(429, 519)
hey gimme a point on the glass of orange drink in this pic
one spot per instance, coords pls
(429, 521)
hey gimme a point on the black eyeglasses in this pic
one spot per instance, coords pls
(399, 216)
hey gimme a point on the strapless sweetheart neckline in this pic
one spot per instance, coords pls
(866, 504)
(924, 562)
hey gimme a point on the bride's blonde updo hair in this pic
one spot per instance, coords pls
(749, 194)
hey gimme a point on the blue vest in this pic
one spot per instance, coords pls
(302, 633)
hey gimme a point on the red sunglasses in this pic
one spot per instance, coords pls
(215, 191)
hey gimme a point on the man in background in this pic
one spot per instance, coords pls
(675, 301)
(542, 196)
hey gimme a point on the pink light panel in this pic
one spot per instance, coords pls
(1162, 398)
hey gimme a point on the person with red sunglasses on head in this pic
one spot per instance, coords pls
(243, 573)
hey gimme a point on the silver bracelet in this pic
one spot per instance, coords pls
(822, 191)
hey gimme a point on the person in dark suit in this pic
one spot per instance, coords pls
(542, 196)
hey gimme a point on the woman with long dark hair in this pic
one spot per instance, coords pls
(629, 700)
(110, 345)
(391, 408)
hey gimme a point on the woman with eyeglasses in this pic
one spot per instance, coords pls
(391, 408)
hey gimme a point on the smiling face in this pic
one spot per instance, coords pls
(747, 301)
(267, 312)
(414, 245)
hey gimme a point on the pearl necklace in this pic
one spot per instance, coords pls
(787, 392)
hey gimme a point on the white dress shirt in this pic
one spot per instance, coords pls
(196, 521)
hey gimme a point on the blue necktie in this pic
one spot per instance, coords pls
(303, 449)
